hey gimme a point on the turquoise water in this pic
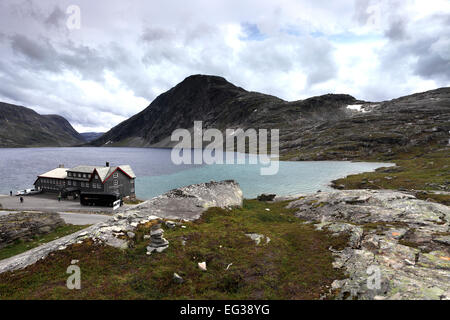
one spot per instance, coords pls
(156, 173)
(292, 177)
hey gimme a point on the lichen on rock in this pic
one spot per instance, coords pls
(403, 238)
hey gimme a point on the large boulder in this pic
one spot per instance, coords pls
(26, 225)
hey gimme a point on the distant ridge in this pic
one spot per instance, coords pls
(89, 136)
(24, 127)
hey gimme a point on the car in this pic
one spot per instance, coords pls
(28, 192)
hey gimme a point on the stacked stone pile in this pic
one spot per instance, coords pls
(157, 242)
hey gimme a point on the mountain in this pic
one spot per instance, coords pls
(23, 127)
(89, 136)
(332, 126)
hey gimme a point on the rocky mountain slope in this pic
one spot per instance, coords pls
(23, 127)
(89, 136)
(332, 126)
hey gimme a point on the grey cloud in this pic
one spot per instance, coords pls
(41, 55)
(56, 18)
(360, 11)
(396, 29)
(432, 65)
(418, 52)
(156, 34)
(310, 55)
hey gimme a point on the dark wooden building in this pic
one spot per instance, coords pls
(118, 180)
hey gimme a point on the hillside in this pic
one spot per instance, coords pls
(89, 136)
(23, 127)
(317, 128)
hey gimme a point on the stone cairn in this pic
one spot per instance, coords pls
(157, 242)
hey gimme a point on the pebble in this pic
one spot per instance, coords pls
(177, 278)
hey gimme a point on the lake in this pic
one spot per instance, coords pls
(157, 174)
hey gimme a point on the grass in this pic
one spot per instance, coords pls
(22, 246)
(417, 170)
(295, 264)
(132, 201)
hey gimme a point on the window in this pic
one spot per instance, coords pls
(116, 183)
(116, 175)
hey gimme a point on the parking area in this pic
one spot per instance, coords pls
(50, 203)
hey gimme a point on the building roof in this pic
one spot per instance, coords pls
(127, 169)
(103, 172)
(58, 173)
(83, 169)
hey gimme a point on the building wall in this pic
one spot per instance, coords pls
(120, 184)
(94, 185)
(50, 185)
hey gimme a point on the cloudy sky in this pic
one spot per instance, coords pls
(112, 62)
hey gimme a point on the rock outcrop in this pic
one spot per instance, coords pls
(26, 225)
(185, 203)
(391, 234)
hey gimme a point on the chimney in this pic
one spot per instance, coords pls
(61, 166)
(107, 164)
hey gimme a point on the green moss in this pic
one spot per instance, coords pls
(132, 201)
(420, 169)
(409, 244)
(439, 198)
(295, 264)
